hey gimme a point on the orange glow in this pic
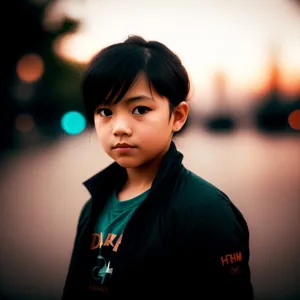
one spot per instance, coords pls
(288, 83)
(30, 67)
(291, 85)
(294, 119)
(74, 48)
(287, 87)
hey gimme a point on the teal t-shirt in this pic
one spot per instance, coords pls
(107, 237)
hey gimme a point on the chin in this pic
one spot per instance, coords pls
(129, 163)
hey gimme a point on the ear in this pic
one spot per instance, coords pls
(180, 114)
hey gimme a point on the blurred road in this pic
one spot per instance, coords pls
(42, 194)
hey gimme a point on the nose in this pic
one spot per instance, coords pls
(121, 127)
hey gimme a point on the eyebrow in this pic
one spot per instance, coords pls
(137, 98)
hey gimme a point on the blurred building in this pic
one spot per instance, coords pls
(273, 112)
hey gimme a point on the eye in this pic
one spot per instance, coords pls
(104, 112)
(140, 110)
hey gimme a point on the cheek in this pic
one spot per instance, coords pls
(101, 136)
(155, 131)
(158, 121)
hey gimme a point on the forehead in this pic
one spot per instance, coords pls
(140, 86)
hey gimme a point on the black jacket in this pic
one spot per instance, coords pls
(186, 239)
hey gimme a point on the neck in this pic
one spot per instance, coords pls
(141, 178)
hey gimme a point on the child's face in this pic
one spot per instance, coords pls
(143, 123)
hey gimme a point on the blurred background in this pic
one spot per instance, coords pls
(243, 133)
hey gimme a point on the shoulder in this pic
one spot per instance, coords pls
(198, 191)
(201, 202)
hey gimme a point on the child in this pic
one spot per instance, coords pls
(151, 227)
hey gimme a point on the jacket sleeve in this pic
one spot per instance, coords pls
(81, 224)
(218, 239)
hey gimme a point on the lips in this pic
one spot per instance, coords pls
(123, 145)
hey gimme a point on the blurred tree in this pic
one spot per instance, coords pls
(54, 92)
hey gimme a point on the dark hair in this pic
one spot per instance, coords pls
(114, 69)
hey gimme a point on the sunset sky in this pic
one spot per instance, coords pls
(232, 36)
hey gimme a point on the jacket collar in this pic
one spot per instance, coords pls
(114, 175)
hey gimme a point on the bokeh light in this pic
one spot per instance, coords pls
(24, 123)
(294, 119)
(73, 122)
(30, 68)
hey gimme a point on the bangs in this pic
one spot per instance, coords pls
(118, 73)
